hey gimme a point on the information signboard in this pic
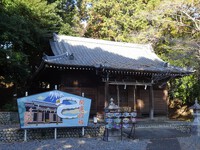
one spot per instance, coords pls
(53, 109)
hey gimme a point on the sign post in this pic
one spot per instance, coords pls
(25, 135)
(25, 131)
(83, 131)
(95, 125)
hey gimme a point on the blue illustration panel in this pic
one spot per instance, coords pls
(53, 109)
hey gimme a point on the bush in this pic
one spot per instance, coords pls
(9, 107)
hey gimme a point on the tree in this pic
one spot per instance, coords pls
(25, 26)
(111, 20)
(179, 23)
(121, 20)
(171, 26)
(66, 9)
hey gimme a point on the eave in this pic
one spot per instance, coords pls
(116, 71)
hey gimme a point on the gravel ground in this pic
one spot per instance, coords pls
(189, 143)
(76, 144)
(186, 143)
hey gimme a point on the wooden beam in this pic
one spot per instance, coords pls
(130, 83)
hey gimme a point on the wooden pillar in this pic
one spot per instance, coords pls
(106, 94)
(118, 95)
(134, 98)
(151, 103)
(37, 116)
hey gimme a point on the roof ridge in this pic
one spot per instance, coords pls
(99, 41)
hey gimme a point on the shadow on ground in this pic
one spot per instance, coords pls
(158, 133)
(164, 138)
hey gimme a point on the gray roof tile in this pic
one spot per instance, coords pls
(113, 55)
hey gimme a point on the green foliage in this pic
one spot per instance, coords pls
(168, 25)
(14, 67)
(9, 107)
(67, 11)
(127, 21)
(25, 27)
(185, 89)
(110, 20)
(178, 44)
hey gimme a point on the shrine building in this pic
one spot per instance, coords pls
(132, 74)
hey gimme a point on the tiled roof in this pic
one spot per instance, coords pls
(78, 51)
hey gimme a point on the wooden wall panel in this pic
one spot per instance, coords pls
(92, 94)
(143, 100)
(100, 99)
(160, 101)
(131, 96)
